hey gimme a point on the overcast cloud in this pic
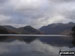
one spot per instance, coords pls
(36, 13)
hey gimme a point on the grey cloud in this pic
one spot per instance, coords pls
(60, 1)
(2, 1)
(45, 13)
(71, 15)
(24, 16)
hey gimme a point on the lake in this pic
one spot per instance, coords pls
(42, 46)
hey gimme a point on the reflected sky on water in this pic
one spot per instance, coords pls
(39, 47)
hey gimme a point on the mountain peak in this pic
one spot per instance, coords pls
(58, 28)
(28, 27)
(71, 23)
(22, 30)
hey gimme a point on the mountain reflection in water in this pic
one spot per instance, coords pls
(40, 47)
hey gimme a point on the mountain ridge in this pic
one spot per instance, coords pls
(22, 30)
(58, 28)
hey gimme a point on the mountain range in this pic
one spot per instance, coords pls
(58, 28)
(21, 30)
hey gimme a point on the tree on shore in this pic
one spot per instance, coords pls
(73, 35)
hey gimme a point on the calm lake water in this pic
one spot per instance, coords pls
(43, 46)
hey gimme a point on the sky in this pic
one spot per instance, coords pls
(36, 13)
